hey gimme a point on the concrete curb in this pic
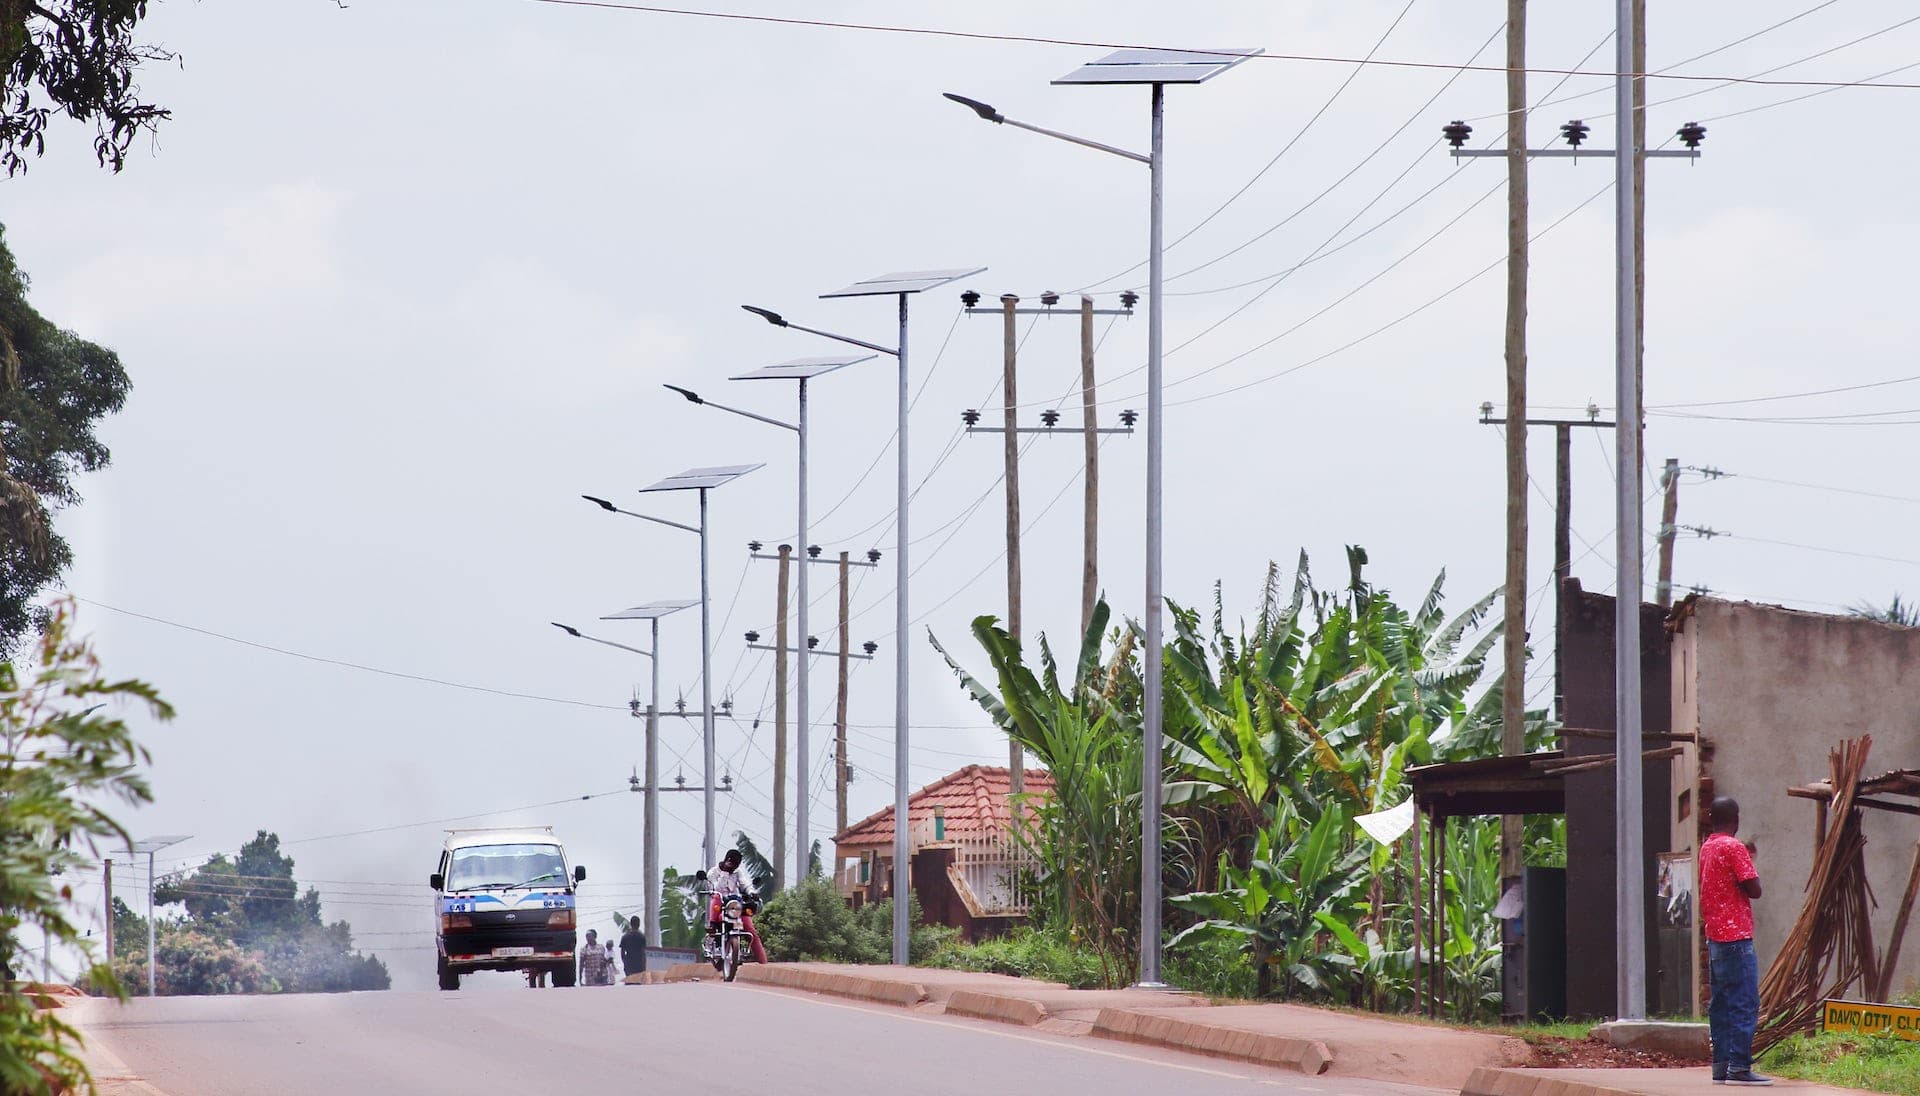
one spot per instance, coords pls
(883, 990)
(994, 1006)
(1309, 1056)
(1494, 1081)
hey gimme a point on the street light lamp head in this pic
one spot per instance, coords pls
(985, 112)
(1575, 132)
(601, 503)
(767, 314)
(1128, 299)
(1457, 133)
(692, 396)
(574, 632)
(970, 298)
(1692, 134)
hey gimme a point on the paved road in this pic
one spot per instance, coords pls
(700, 1039)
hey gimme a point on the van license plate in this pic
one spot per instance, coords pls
(509, 953)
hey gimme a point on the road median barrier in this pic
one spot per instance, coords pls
(1309, 1056)
(838, 983)
(995, 1006)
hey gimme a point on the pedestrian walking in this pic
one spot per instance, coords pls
(613, 967)
(633, 948)
(593, 962)
(1728, 886)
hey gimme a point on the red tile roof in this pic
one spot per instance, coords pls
(975, 802)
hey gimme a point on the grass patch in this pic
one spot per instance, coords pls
(1535, 1033)
(1025, 953)
(1878, 1063)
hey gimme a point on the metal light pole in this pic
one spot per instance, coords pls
(650, 840)
(901, 285)
(701, 480)
(801, 370)
(1155, 68)
(151, 845)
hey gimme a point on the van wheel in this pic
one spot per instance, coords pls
(563, 975)
(448, 979)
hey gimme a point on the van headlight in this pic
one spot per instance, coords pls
(450, 921)
(560, 919)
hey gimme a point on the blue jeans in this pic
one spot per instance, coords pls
(1734, 1010)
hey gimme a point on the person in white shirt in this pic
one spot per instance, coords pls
(726, 879)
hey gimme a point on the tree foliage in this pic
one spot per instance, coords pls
(54, 387)
(1278, 737)
(69, 758)
(252, 902)
(78, 58)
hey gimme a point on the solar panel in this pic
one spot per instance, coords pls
(1157, 66)
(695, 478)
(904, 281)
(803, 368)
(652, 610)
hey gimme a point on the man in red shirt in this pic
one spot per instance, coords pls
(1728, 885)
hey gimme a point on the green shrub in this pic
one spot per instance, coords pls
(1215, 966)
(1028, 953)
(813, 923)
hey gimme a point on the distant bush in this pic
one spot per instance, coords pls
(811, 922)
(1211, 965)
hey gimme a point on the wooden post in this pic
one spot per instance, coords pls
(1669, 513)
(1892, 959)
(1562, 555)
(780, 644)
(1011, 403)
(840, 716)
(1513, 693)
(1090, 537)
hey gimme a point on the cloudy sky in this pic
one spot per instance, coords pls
(401, 280)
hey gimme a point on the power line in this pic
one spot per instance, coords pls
(934, 32)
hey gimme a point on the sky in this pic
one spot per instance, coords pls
(401, 279)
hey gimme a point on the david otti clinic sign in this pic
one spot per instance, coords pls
(1898, 1021)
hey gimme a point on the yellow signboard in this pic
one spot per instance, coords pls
(1898, 1021)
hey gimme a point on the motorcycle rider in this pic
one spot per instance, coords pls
(724, 881)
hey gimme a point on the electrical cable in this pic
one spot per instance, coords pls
(614, 5)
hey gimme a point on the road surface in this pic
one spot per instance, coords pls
(704, 1038)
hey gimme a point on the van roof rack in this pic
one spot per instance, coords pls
(505, 829)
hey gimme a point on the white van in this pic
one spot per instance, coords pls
(504, 901)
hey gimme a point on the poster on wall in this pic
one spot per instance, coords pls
(1676, 889)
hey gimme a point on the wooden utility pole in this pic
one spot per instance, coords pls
(106, 878)
(1669, 513)
(1513, 696)
(840, 712)
(1090, 538)
(1011, 401)
(1562, 557)
(780, 646)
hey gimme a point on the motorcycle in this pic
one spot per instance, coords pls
(736, 938)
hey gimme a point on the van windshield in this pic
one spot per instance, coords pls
(481, 867)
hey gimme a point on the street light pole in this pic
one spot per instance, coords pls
(900, 285)
(1155, 68)
(151, 845)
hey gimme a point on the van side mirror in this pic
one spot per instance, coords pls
(437, 881)
(579, 873)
